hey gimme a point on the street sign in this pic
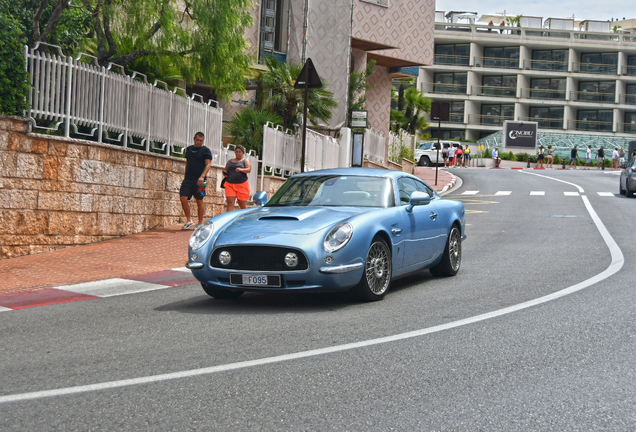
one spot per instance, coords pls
(311, 81)
(359, 119)
(440, 111)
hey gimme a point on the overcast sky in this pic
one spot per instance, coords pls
(582, 9)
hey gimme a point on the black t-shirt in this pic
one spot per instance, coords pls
(573, 153)
(196, 156)
(601, 153)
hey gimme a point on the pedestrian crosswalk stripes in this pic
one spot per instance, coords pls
(539, 193)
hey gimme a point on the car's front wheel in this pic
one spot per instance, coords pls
(376, 279)
(628, 191)
(424, 161)
(452, 258)
(220, 293)
(620, 188)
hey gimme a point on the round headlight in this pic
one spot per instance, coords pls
(338, 237)
(201, 235)
(291, 260)
(225, 258)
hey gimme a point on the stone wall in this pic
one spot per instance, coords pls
(56, 192)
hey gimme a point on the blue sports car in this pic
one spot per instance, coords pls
(330, 230)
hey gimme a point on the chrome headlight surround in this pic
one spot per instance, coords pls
(201, 235)
(338, 237)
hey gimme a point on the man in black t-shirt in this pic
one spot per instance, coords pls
(600, 155)
(574, 156)
(198, 163)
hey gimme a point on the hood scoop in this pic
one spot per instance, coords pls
(295, 217)
(279, 217)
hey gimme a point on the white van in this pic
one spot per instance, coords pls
(426, 152)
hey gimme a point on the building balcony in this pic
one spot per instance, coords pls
(451, 60)
(582, 96)
(545, 123)
(538, 93)
(590, 125)
(488, 120)
(627, 99)
(478, 90)
(497, 63)
(628, 70)
(595, 68)
(444, 88)
(627, 127)
(545, 65)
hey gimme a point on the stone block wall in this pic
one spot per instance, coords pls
(56, 192)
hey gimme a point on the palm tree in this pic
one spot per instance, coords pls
(287, 101)
(246, 127)
(412, 119)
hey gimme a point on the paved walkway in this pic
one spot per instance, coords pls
(151, 256)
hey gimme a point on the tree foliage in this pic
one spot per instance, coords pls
(246, 127)
(412, 118)
(287, 101)
(13, 77)
(358, 85)
(197, 39)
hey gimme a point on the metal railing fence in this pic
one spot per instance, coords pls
(105, 104)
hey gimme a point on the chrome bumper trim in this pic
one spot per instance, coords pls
(341, 269)
(194, 265)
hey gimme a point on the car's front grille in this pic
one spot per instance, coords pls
(258, 258)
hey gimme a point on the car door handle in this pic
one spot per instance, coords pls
(396, 230)
(433, 215)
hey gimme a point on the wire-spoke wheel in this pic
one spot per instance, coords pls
(377, 272)
(452, 258)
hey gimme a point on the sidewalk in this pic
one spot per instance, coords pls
(151, 256)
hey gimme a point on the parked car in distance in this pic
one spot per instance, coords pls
(426, 152)
(627, 182)
(330, 230)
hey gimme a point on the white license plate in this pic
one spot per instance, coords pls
(254, 280)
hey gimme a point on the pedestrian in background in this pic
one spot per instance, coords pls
(540, 157)
(445, 154)
(600, 156)
(237, 186)
(574, 156)
(621, 158)
(451, 156)
(198, 162)
(615, 158)
(459, 153)
(495, 157)
(588, 157)
(467, 156)
(550, 157)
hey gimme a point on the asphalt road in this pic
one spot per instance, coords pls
(480, 356)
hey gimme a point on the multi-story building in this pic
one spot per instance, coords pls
(340, 36)
(575, 77)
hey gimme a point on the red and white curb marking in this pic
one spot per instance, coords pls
(93, 290)
(451, 183)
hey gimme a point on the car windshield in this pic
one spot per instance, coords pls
(335, 190)
(424, 146)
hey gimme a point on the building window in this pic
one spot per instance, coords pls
(457, 112)
(630, 94)
(597, 91)
(503, 86)
(556, 60)
(599, 63)
(595, 120)
(496, 114)
(272, 31)
(501, 57)
(455, 54)
(631, 65)
(547, 117)
(630, 122)
(547, 88)
(450, 83)
(446, 134)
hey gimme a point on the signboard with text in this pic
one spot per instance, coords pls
(359, 119)
(520, 134)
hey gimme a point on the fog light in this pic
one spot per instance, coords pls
(291, 260)
(194, 256)
(225, 258)
(329, 260)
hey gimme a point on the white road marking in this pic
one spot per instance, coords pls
(607, 194)
(470, 193)
(112, 287)
(4, 309)
(537, 192)
(616, 264)
(571, 193)
(503, 192)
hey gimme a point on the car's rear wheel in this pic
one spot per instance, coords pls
(221, 293)
(376, 278)
(424, 161)
(452, 258)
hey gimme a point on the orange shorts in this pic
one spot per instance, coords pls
(239, 190)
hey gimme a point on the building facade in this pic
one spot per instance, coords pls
(340, 36)
(575, 77)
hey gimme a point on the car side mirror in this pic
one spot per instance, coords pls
(260, 198)
(417, 199)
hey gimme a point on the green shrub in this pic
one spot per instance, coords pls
(522, 157)
(557, 160)
(14, 87)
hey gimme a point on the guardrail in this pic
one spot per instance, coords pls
(482, 90)
(106, 105)
(539, 93)
(497, 62)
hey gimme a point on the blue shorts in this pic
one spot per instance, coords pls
(190, 188)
